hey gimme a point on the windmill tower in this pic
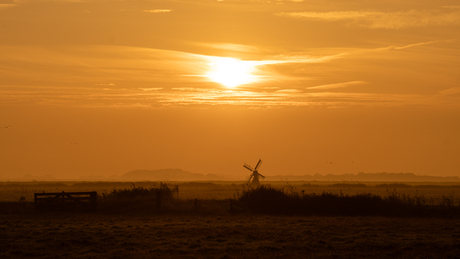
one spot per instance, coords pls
(255, 174)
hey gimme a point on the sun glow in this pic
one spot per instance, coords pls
(231, 72)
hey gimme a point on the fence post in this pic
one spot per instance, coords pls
(196, 204)
(158, 199)
(35, 202)
(93, 198)
(231, 205)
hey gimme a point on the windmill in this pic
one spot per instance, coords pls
(255, 174)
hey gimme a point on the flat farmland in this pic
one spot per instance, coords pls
(96, 235)
(206, 228)
(13, 191)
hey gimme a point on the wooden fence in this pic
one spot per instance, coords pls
(66, 201)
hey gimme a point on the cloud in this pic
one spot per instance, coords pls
(289, 91)
(155, 78)
(158, 11)
(328, 16)
(385, 20)
(283, 1)
(297, 58)
(353, 52)
(452, 6)
(150, 89)
(4, 6)
(55, 1)
(109, 84)
(338, 85)
(413, 45)
(232, 47)
(450, 91)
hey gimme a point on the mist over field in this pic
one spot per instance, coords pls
(179, 175)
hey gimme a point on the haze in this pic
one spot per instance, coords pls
(331, 87)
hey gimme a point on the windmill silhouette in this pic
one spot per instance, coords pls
(255, 174)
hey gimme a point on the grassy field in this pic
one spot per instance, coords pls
(95, 235)
(126, 227)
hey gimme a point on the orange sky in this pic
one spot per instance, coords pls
(144, 84)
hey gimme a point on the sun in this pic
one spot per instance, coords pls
(231, 72)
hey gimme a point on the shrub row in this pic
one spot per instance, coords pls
(268, 200)
(141, 192)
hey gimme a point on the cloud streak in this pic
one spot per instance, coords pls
(450, 91)
(140, 77)
(4, 6)
(333, 86)
(384, 20)
(232, 47)
(158, 11)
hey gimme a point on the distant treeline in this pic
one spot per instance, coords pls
(383, 185)
(33, 184)
(366, 177)
(83, 184)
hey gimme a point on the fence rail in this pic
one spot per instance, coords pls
(65, 201)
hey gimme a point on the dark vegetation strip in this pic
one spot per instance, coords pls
(167, 191)
(393, 185)
(287, 201)
(348, 185)
(268, 200)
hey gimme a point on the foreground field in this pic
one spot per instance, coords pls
(128, 224)
(97, 235)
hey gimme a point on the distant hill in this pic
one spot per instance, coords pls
(366, 177)
(167, 175)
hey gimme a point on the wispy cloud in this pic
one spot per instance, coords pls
(52, 1)
(413, 45)
(4, 6)
(56, 1)
(385, 20)
(289, 91)
(108, 84)
(232, 47)
(158, 11)
(150, 89)
(338, 85)
(450, 91)
(343, 53)
(329, 16)
(152, 78)
(452, 6)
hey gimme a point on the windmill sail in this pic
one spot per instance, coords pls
(250, 177)
(258, 165)
(248, 167)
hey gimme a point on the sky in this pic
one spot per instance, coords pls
(103, 87)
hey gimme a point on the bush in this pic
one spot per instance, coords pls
(268, 200)
(136, 198)
(142, 192)
(265, 199)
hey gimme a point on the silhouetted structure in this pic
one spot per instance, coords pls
(255, 174)
(66, 201)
